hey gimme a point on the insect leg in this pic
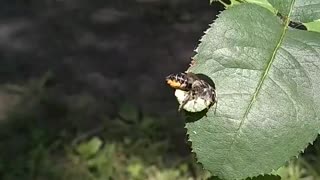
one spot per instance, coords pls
(185, 101)
(216, 103)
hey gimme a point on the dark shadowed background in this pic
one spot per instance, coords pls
(82, 91)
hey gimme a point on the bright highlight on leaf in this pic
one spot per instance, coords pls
(267, 79)
(263, 3)
(313, 26)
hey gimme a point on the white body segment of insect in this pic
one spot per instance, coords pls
(193, 105)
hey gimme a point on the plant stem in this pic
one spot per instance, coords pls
(225, 4)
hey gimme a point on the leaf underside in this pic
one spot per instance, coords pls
(267, 77)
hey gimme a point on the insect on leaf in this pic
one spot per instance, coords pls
(267, 78)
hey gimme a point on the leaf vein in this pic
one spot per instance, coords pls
(237, 132)
(289, 97)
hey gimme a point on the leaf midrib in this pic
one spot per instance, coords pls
(237, 132)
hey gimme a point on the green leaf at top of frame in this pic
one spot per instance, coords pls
(298, 10)
(267, 79)
(304, 11)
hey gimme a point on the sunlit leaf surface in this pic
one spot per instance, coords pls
(267, 78)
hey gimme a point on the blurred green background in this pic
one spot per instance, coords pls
(83, 96)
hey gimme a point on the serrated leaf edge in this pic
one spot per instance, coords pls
(250, 176)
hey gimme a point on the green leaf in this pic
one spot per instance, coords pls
(261, 177)
(313, 26)
(265, 177)
(90, 148)
(267, 78)
(300, 10)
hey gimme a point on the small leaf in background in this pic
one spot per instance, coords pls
(90, 148)
(104, 162)
(267, 77)
(313, 26)
(135, 169)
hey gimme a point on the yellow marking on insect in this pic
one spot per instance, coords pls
(174, 84)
